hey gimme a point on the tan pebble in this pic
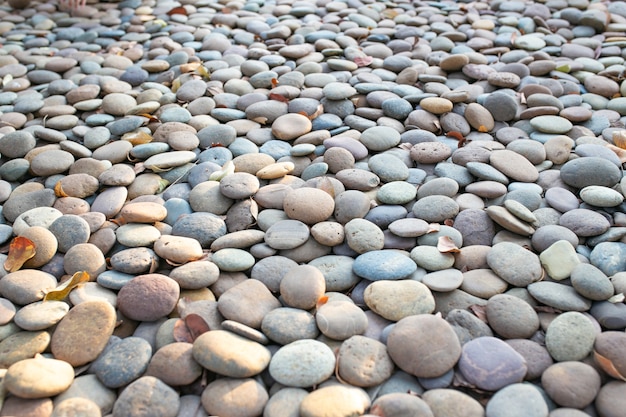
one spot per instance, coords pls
(454, 62)
(77, 407)
(514, 166)
(309, 205)
(507, 220)
(436, 105)
(26, 285)
(479, 117)
(290, 126)
(143, 212)
(84, 332)
(34, 407)
(302, 286)
(38, 377)
(178, 249)
(558, 149)
(22, 345)
(430, 152)
(276, 170)
(328, 233)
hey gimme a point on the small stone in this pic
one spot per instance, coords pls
(334, 400)
(218, 398)
(303, 363)
(395, 300)
(517, 400)
(340, 320)
(415, 336)
(354, 355)
(452, 403)
(148, 297)
(147, 393)
(514, 264)
(571, 384)
(511, 317)
(230, 355)
(491, 364)
(559, 260)
(570, 337)
(38, 377)
(122, 362)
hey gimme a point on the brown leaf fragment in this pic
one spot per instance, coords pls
(58, 190)
(433, 227)
(445, 244)
(181, 332)
(21, 249)
(607, 366)
(479, 311)
(63, 290)
(196, 325)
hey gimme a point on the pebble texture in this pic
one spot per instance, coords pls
(404, 197)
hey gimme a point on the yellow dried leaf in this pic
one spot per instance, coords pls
(482, 129)
(21, 249)
(619, 139)
(58, 190)
(137, 138)
(63, 290)
(445, 244)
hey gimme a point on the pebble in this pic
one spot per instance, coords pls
(423, 332)
(350, 143)
(502, 367)
(302, 364)
(38, 377)
(570, 337)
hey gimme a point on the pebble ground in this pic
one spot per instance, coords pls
(313, 208)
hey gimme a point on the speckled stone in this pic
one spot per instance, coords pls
(570, 337)
(303, 363)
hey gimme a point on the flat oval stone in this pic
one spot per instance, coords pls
(512, 399)
(229, 354)
(395, 300)
(26, 286)
(514, 165)
(247, 303)
(380, 138)
(22, 345)
(148, 297)
(584, 222)
(551, 124)
(309, 205)
(435, 208)
(302, 286)
(286, 234)
(217, 398)
(84, 332)
(601, 196)
(358, 351)
(383, 265)
(582, 172)
(38, 377)
(340, 320)
(363, 236)
(174, 364)
(452, 403)
(570, 337)
(514, 264)
(560, 296)
(123, 362)
(285, 325)
(303, 363)
(340, 400)
(571, 384)
(415, 336)
(178, 249)
(511, 317)
(559, 260)
(41, 315)
(148, 392)
(590, 282)
(491, 364)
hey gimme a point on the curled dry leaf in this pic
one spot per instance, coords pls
(607, 366)
(63, 290)
(480, 312)
(21, 249)
(196, 325)
(181, 332)
(445, 244)
(321, 301)
(433, 227)
(137, 138)
(619, 138)
(363, 61)
(58, 190)
(621, 153)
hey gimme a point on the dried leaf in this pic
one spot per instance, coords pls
(445, 244)
(58, 190)
(274, 83)
(64, 289)
(621, 153)
(196, 325)
(181, 332)
(137, 138)
(177, 10)
(278, 97)
(189, 67)
(261, 120)
(363, 61)
(20, 250)
(448, 222)
(433, 227)
(322, 300)
(546, 309)
(456, 135)
(483, 129)
(480, 312)
(619, 138)
(607, 366)
(617, 298)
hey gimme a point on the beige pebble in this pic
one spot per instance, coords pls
(309, 205)
(178, 249)
(275, 170)
(436, 105)
(38, 377)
